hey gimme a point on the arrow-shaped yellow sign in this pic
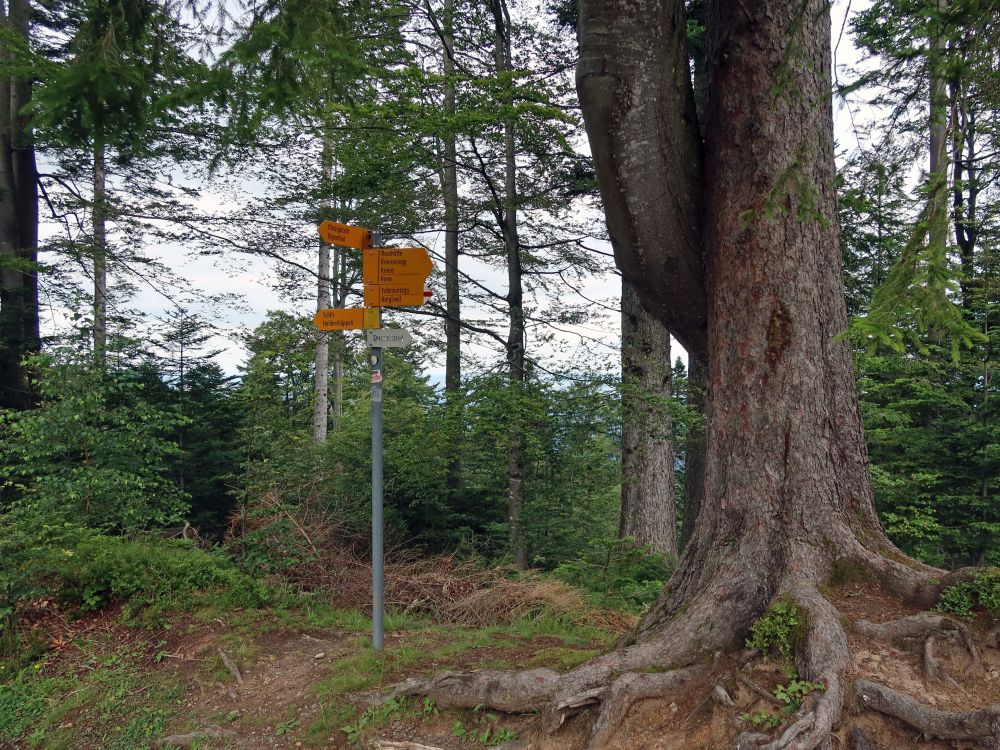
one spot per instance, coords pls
(345, 235)
(351, 319)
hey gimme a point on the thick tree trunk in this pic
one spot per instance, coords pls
(453, 319)
(647, 512)
(515, 293)
(19, 327)
(99, 219)
(638, 102)
(787, 492)
(786, 484)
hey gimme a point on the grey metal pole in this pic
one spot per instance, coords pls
(378, 599)
(378, 563)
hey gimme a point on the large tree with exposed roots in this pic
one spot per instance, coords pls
(728, 230)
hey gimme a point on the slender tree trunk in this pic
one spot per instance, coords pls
(339, 300)
(321, 405)
(937, 214)
(965, 188)
(321, 390)
(453, 319)
(515, 293)
(19, 327)
(99, 219)
(647, 512)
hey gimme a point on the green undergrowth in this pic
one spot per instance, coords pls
(111, 699)
(780, 630)
(617, 573)
(85, 570)
(982, 593)
(791, 697)
(173, 589)
(430, 649)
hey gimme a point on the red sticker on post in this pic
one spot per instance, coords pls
(376, 377)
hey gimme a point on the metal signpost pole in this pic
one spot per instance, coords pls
(393, 277)
(378, 571)
(377, 562)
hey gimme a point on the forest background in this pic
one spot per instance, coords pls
(230, 133)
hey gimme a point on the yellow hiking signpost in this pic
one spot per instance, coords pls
(352, 319)
(385, 265)
(393, 277)
(345, 235)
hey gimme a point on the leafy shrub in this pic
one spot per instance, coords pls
(617, 573)
(86, 569)
(778, 630)
(95, 448)
(150, 573)
(982, 592)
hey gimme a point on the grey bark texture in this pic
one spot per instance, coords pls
(100, 251)
(321, 400)
(321, 375)
(453, 309)
(937, 214)
(695, 447)
(515, 293)
(19, 327)
(647, 512)
(638, 102)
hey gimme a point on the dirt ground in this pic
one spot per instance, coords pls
(277, 691)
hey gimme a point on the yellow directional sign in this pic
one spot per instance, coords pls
(385, 265)
(406, 292)
(352, 319)
(345, 235)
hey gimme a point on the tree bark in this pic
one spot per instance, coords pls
(99, 218)
(339, 301)
(965, 185)
(694, 449)
(786, 483)
(19, 325)
(321, 390)
(787, 491)
(638, 102)
(515, 292)
(453, 311)
(937, 214)
(647, 512)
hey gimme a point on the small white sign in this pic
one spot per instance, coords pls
(392, 338)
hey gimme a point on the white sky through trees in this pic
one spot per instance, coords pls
(251, 278)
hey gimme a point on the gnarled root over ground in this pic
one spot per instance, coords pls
(690, 653)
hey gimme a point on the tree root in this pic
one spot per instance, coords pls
(613, 682)
(924, 626)
(914, 582)
(760, 692)
(979, 726)
(933, 671)
(914, 626)
(616, 699)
